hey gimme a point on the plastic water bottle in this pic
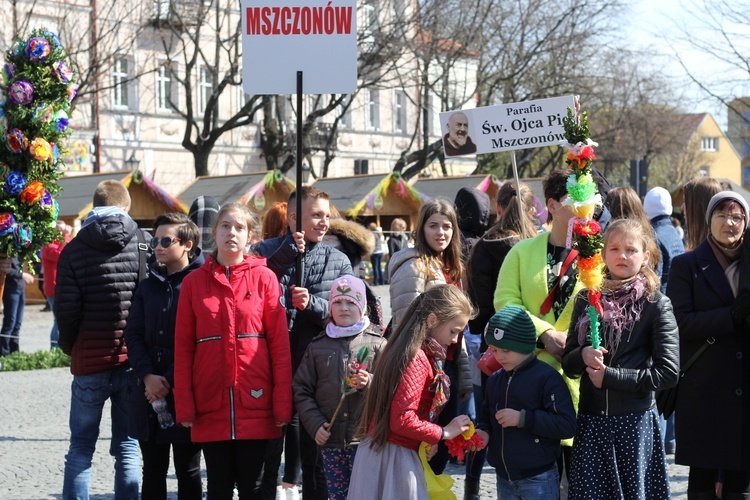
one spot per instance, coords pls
(162, 412)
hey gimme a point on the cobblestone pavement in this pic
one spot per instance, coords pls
(34, 409)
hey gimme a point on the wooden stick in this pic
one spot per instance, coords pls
(335, 413)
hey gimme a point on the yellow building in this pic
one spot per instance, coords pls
(717, 156)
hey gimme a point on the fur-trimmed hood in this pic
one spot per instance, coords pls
(352, 234)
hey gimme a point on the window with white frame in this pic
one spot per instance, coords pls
(120, 83)
(164, 88)
(704, 171)
(205, 88)
(242, 98)
(345, 111)
(161, 9)
(709, 143)
(430, 114)
(399, 112)
(372, 109)
(369, 25)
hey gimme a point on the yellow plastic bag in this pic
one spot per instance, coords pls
(438, 487)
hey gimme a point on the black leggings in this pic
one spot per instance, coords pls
(187, 466)
(704, 480)
(288, 444)
(230, 463)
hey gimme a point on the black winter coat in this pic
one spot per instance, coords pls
(482, 270)
(150, 340)
(321, 265)
(548, 416)
(473, 210)
(646, 360)
(396, 242)
(96, 276)
(713, 398)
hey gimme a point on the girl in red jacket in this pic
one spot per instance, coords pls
(233, 376)
(406, 397)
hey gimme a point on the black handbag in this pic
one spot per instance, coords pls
(667, 399)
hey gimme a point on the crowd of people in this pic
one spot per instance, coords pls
(210, 343)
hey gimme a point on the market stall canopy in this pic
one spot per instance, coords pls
(147, 199)
(447, 187)
(373, 196)
(258, 190)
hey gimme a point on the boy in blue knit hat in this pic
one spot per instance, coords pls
(523, 422)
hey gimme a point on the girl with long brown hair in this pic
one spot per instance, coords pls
(405, 399)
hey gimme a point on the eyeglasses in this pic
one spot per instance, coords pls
(165, 242)
(724, 217)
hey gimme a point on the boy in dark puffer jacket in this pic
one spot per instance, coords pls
(307, 312)
(96, 276)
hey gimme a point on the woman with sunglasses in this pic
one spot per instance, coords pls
(150, 339)
(712, 407)
(233, 366)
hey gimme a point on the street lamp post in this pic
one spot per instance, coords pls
(132, 163)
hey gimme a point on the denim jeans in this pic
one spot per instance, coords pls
(88, 394)
(54, 335)
(376, 260)
(541, 487)
(13, 304)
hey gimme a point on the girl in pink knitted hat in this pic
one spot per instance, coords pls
(330, 382)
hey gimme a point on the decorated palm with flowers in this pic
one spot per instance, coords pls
(584, 233)
(38, 88)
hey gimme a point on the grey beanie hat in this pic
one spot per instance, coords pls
(723, 196)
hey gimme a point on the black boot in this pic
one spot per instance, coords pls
(471, 489)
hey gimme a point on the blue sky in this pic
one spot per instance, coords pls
(650, 21)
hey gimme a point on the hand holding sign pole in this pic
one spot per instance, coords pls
(284, 40)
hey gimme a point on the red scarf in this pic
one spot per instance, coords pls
(436, 355)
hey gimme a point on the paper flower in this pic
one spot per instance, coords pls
(54, 37)
(46, 202)
(32, 193)
(62, 124)
(8, 73)
(7, 221)
(62, 71)
(40, 149)
(14, 183)
(588, 238)
(23, 235)
(21, 92)
(16, 49)
(72, 90)
(466, 441)
(55, 153)
(42, 113)
(37, 49)
(17, 142)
